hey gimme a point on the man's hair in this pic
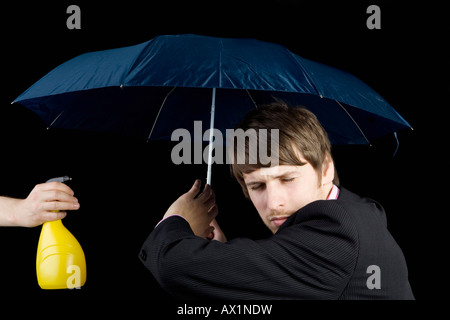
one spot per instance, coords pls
(299, 131)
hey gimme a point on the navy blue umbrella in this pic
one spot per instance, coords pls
(151, 89)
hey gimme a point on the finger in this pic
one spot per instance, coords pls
(55, 185)
(59, 205)
(213, 233)
(214, 223)
(206, 195)
(209, 231)
(55, 195)
(218, 233)
(212, 213)
(195, 188)
(213, 195)
(211, 200)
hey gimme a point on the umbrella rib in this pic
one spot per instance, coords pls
(59, 115)
(251, 98)
(349, 115)
(307, 75)
(159, 111)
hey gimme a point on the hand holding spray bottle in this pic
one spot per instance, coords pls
(60, 260)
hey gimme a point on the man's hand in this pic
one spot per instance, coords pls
(198, 211)
(41, 203)
(217, 233)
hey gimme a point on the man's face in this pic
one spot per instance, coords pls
(278, 192)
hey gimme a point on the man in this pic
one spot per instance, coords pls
(327, 243)
(39, 206)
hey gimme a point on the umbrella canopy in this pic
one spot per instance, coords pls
(151, 89)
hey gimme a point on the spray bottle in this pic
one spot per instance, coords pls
(60, 260)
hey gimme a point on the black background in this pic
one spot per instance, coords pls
(125, 185)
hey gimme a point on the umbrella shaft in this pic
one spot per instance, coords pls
(211, 135)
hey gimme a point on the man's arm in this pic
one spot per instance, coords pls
(311, 258)
(39, 206)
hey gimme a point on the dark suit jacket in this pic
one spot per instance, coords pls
(323, 251)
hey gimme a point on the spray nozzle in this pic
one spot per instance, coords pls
(60, 179)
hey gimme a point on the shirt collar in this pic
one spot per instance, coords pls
(334, 193)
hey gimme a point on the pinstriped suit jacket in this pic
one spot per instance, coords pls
(335, 249)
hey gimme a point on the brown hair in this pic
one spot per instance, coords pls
(299, 131)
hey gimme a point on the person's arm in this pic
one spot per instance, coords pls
(39, 206)
(313, 257)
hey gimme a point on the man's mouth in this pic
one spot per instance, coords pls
(278, 220)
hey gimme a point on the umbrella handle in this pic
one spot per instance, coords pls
(211, 135)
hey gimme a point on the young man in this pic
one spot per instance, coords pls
(327, 243)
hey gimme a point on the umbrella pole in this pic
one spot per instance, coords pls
(211, 135)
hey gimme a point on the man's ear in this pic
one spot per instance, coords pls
(327, 170)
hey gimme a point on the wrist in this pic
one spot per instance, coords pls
(9, 207)
(166, 216)
(16, 206)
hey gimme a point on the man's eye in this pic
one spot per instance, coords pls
(288, 179)
(257, 187)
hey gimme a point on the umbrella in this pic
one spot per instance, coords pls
(150, 89)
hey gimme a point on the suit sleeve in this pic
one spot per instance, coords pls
(312, 256)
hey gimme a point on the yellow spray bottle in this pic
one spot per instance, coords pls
(60, 260)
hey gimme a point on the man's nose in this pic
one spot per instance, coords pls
(275, 198)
